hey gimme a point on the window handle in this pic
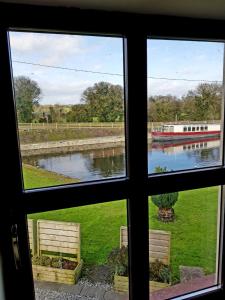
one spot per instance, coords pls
(15, 246)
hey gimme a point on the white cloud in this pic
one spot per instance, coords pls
(48, 48)
(165, 87)
(63, 92)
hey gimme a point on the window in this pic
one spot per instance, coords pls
(73, 241)
(176, 96)
(185, 129)
(71, 119)
(180, 249)
(198, 183)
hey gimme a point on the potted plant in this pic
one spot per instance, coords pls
(165, 202)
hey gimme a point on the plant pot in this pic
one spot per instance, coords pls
(57, 275)
(166, 214)
(121, 284)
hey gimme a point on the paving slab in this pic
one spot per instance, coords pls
(94, 292)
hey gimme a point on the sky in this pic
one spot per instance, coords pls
(168, 59)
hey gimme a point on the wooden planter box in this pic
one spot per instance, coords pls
(57, 275)
(121, 284)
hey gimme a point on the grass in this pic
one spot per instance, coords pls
(194, 231)
(37, 178)
(50, 135)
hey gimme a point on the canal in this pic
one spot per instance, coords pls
(106, 163)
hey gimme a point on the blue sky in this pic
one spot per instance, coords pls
(173, 59)
(183, 59)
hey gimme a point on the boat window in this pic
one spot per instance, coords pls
(189, 128)
(185, 128)
(206, 127)
(197, 128)
(165, 128)
(193, 128)
(202, 128)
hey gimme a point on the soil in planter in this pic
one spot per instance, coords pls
(54, 262)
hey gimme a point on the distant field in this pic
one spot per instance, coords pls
(193, 231)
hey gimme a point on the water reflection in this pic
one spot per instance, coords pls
(85, 165)
(106, 163)
(180, 155)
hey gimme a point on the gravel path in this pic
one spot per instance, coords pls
(84, 290)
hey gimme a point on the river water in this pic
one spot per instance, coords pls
(107, 163)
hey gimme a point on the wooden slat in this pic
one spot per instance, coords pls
(32, 232)
(159, 242)
(59, 232)
(121, 284)
(67, 226)
(60, 238)
(58, 249)
(156, 248)
(159, 236)
(44, 242)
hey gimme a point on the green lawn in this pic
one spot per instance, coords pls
(193, 231)
(36, 178)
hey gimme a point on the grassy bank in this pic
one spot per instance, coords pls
(48, 135)
(193, 231)
(36, 178)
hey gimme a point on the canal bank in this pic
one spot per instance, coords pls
(72, 145)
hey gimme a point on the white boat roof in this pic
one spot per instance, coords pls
(192, 124)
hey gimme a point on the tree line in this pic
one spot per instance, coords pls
(104, 102)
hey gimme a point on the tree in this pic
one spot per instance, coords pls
(204, 102)
(104, 101)
(27, 94)
(164, 108)
(165, 202)
(79, 113)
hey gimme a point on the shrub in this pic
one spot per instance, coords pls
(118, 258)
(165, 202)
(159, 272)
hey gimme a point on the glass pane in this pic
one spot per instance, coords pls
(69, 98)
(183, 238)
(80, 253)
(184, 104)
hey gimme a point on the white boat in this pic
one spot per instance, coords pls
(169, 132)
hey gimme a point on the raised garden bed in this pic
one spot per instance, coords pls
(68, 273)
(159, 258)
(56, 252)
(121, 284)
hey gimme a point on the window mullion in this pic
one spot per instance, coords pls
(21, 276)
(135, 47)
